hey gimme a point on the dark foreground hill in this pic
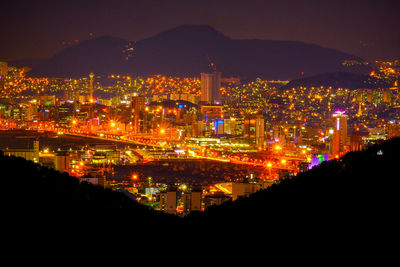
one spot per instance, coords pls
(32, 191)
(355, 198)
(188, 50)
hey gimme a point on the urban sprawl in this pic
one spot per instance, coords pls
(258, 132)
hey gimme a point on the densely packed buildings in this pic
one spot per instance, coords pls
(261, 123)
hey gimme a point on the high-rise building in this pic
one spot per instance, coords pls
(356, 141)
(139, 114)
(168, 202)
(219, 127)
(254, 129)
(62, 162)
(210, 87)
(340, 141)
(192, 201)
(3, 68)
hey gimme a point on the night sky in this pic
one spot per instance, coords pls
(37, 29)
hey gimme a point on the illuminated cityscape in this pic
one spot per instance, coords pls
(188, 119)
(267, 129)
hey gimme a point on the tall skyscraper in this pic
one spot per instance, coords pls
(340, 142)
(210, 87)
(139, 114)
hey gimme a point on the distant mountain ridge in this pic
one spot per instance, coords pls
(339, 80)
(188, 50)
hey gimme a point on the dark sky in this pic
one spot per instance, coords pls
(37, 29)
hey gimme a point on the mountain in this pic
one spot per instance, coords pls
(347, 80)
(188, 50)
(100, 55)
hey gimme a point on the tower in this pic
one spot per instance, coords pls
(91, 76)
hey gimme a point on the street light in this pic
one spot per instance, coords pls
(269, 165)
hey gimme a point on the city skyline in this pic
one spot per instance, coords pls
(40, 29)
(199, 121)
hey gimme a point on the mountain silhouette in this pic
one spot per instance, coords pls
(346, 80)
(188, 50)
(351, 201)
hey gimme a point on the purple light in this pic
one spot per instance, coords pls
(316, 159)
(340, 112)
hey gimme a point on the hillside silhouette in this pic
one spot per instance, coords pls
(358, 191)
(31, 190)
(187, 51)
